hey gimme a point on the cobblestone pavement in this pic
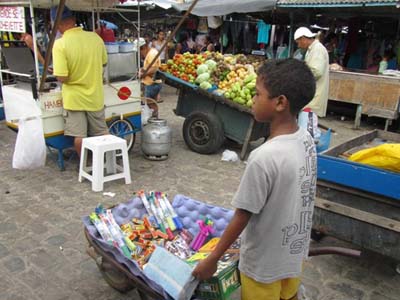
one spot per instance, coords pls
(43, 248)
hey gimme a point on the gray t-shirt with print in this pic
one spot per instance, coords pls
(278, 188)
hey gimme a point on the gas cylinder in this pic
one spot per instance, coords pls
(156, 139)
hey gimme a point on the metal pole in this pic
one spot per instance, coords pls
(35, 48)
(51, 42)
(93, 21)
(170, 37)
(290, 49)
(137, 44)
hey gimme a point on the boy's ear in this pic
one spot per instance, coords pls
(282, 103)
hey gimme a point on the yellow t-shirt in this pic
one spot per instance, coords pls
(80, 56)
(148, 80)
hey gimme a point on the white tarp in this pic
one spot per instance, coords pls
(208, 8)
(165, 4)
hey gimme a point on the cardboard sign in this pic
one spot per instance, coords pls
(12, 19)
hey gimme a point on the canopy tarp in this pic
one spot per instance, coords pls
(208, 8)
(336, 3)
(166, 4)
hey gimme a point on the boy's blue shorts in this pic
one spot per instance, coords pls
(151, 91)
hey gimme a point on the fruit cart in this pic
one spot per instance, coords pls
(210, 118)
(23, 99)
(356, 202)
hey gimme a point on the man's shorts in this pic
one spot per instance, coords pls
(84, 123)
(282, 289)
(151, 91)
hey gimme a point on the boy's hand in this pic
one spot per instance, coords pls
(141, 72)
(205, 269)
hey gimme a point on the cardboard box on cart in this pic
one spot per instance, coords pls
(223, 283)
(226, 280)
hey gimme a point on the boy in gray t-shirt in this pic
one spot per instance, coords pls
(275, 199)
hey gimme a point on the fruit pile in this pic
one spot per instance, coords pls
(184, 66)
(233, 76)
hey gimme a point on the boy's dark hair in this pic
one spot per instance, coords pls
(291, 78)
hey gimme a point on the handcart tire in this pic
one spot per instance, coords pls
(118, 127)
(115, 278)
(203, 132)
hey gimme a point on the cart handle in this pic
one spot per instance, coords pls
(334, 250)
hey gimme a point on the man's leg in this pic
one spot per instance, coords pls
(97, 123)
(75, 125)
(78, 145)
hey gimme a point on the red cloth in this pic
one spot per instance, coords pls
(106, 34)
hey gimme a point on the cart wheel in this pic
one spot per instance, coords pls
(317, 235)
(203, 132)
(398, 269)
(115, 278)
(123, 129)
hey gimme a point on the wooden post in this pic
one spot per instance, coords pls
(170, 37)
(60, 10)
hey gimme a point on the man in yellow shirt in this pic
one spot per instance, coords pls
(152, 87)
(78, 59)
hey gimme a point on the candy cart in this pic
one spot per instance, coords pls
(28, 94)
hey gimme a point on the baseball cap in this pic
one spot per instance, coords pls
(67, 13)
(141, 43)
(303, 31)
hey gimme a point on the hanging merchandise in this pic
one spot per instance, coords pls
(214, 22)
(203, 27)
(263, 32)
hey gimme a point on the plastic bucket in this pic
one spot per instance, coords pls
(112, 48)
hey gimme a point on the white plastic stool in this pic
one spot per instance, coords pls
(104, 147)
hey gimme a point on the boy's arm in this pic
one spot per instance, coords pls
(206, 268)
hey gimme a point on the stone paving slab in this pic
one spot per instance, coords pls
(43, 248)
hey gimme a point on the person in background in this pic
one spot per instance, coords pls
(147, 37)
(317, 59)
(158, 43)
(388, 62)
(152, 87)
(28, 40)
(275, 199)
(331, 44)
(78, 60)
(184, 45)
(374, 66)
(207, 46)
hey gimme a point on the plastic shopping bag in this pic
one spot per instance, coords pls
(146, 113)
(30, 147)
(386, 156)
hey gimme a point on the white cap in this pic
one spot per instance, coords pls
(303, 31)
(142, 42)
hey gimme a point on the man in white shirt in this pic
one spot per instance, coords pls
(317, 59)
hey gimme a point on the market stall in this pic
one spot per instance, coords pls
(363, 37)
(374, 95)
(28, 97)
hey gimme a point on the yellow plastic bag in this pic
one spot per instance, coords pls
(386, 156)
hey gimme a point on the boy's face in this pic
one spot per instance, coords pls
(264, 107)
